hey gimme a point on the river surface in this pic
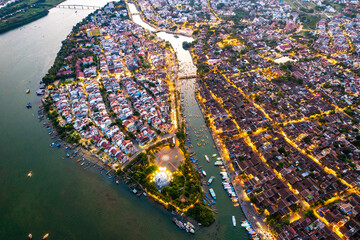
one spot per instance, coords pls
(61, 198)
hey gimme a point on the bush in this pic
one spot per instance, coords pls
(201, 214)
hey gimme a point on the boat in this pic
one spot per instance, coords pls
(176, 36)
(218, 163)
(40, 92)
(30, 236)
(234, 221)
(189, 227)
(133, 190)
(249, 229)
(214, 155)
(29, 174)
(27, 91)
(210, 180)
(203, 172)
(45, 236)
(178, 223)
(28, 105)
(244, 223)
(212, 193)
(207, 158)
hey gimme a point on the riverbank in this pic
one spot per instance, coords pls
(257, 221)
(76, 152)
(21, 13)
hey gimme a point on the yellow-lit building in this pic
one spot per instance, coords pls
(94, 32)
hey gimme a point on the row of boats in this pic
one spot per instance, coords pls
(226, 183)
(187, 226)
(247, 225)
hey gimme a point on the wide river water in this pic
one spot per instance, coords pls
(62, 198)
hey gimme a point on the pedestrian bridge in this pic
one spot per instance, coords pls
(75, 6)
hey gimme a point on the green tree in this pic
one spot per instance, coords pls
(309, 213)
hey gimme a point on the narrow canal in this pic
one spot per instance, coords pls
(201, 142)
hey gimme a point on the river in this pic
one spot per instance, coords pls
(61, 198)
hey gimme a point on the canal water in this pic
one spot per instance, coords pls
(61, 198)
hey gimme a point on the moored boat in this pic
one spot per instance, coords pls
(210, 180)
(203, 172)
(207, 158)
(178, 223)
(218, 163)
(40, 92)
(249, 229)
(214, 155)
(212, 193)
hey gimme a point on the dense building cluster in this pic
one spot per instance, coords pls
(118, 99)
(287, 113)
(173, 14)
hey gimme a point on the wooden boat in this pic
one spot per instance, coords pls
(212, 193)
(234, 221)
(210, 180)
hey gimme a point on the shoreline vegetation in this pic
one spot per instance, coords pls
(184, 193)
(20, 13)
